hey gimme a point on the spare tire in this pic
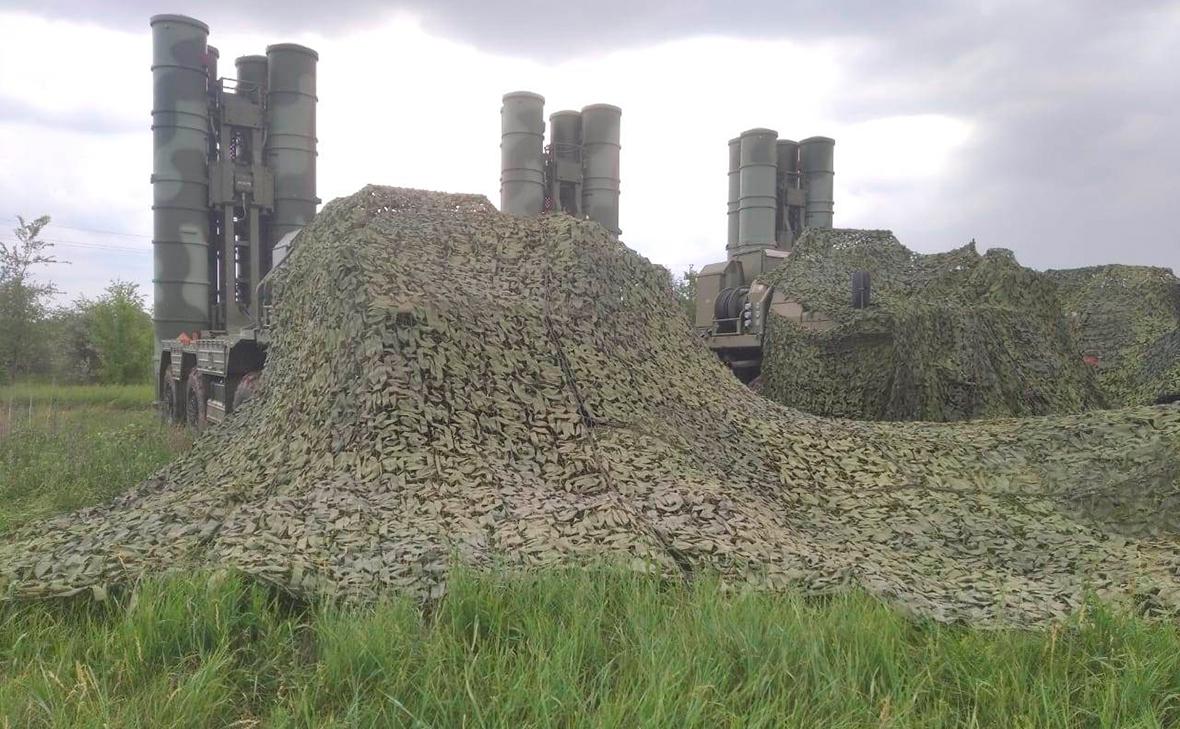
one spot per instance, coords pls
(729, 302)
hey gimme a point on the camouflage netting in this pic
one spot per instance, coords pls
(949, 336)
(1128, 319)
(450, 383)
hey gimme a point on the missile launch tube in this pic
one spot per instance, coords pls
(788, 161)
(211, 57)
(565, 176)
(291, 140)
(757, 201)
(735, 190)
(816, 164)
(565, 134)
(252, 73)
(180, 188)
(522, 163)
(600, 164)
(788, 222)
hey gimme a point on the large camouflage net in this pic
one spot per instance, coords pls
(447, 383)
(1127, 318)
(949, 336)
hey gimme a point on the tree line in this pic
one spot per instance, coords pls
(107, 339)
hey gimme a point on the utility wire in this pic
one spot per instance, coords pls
(101, 232)
(96, 246)
(100, 246)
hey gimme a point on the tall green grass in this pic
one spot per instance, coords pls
(62, 456)
(562, 648)
(597, 648)
(14, 398)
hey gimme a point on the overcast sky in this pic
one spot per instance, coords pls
(1051, 127)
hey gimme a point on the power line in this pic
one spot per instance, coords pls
(99, 246)
(96, 246)
(101, 232)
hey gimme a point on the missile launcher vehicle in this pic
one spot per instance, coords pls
(777, 189)
(233, 181)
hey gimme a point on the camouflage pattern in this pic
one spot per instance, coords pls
(525, 391)
(949, 336)
(600, 164)
(180, 189)
(291, 136)
(522, 153)
(1127, 323)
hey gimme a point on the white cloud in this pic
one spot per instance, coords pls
(60, 65)
(401, 107)
(887, 168)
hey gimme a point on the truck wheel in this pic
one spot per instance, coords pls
(195, 400)
(246, 389)
(169, 403)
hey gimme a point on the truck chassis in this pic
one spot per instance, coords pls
(200, 381)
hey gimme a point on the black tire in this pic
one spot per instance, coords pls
(170, 411)
(246, 389)
(195, 400)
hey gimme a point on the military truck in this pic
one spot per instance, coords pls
(233, 182)
(778, 188)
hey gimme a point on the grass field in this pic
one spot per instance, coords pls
(602, 648)
(66, 447)
(117, 397)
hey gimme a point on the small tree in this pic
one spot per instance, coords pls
(72, 356)
(23, 301)
(685, 288)
(120, 332)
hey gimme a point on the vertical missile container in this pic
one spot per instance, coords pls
(522, 153)
(816, 164)
(564, 176)
(252, 75)
(758, 198)
(291, 138)
(180, 188)
(600, 164)
(735, 191)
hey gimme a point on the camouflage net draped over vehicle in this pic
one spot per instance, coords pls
(1128, 319)
(447, 382)
(949, 336)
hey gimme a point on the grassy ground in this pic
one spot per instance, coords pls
(66, 447)
(565, 649)
(14, 398)
(604, 648)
